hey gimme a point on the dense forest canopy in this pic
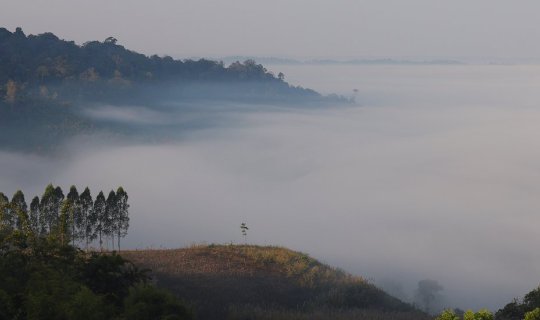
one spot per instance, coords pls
(30, 65)
(44, 58)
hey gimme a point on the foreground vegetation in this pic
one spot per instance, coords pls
(527, 308)
(43, 275)
(484, 314)
(43, 278)
(253, 282)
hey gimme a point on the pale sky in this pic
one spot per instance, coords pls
(292, 28)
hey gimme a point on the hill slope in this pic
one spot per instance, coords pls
(252, 282)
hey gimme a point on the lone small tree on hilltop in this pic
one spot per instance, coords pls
(244, 229)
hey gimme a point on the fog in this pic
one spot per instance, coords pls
(434, 175)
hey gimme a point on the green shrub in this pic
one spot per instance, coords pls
(482, 314)
(448, 315)
(150, 303)
(42, 279)
(533, 315)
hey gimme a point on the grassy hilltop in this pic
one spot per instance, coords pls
(254, 282)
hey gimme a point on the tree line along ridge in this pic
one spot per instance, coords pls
(73, 218)
(45, 68)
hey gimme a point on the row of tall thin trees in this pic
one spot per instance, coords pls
(75, 218)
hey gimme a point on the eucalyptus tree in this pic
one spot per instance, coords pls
(99, 214)
(34, 216)
(46, 208)
(87, 215)
(111, 217)
(19, 210)
(4, 212)
(122, 210)
(59, 197)
(49, 206)
(75, 219)
(63, 229)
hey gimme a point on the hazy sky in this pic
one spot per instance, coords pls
(296, 28)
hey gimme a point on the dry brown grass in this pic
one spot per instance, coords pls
(216, 277)
(231, 260)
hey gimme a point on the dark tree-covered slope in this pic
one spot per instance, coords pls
(46, 67)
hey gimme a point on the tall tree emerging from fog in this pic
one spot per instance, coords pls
(427, 293)
(87, 216)
(99, 213)
(122, 210)
(74, 213)
(19, 210)
(111, 216)
(34, 216)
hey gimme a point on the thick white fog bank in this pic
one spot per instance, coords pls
(435, 176)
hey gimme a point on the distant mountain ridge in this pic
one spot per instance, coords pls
(372, 61)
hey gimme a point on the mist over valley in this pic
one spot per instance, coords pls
(269, 160)
(422, 179)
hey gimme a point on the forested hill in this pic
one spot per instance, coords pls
(49, 87)
(46, 58)
(46, 67)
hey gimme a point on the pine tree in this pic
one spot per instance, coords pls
(34, 218)
(111, 216)
(99, 213)
(19, 210)
(87, 214)
(122, 221)
(74, 214)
